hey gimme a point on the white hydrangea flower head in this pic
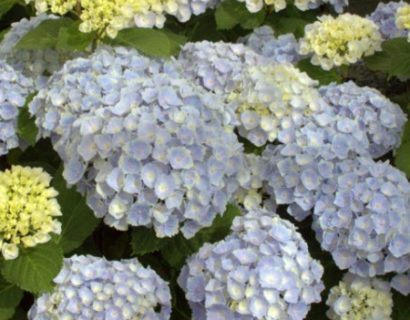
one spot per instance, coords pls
(94, 288)
(403, 19)
(360, 298)
(148, 147)
(343, 40)
(28, 209)
(281, 49)
(35, 64)
(262, 270)
(385, 18)
(14, 90)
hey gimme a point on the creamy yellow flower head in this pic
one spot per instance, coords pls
(108, 17)
(357, 298)
(340, 41)
(403, 18)
(28, 206)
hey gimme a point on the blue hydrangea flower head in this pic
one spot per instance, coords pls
(262, 270)
(147, 147)
(364, 108)
(281, 49)
(267, 97)
(94, 288)
(385, 17)
(360, 298)
(14, 89)
(363, 222)
(35, 64)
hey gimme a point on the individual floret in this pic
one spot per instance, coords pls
(281, 49)
(14, 89)
(364, 221)
(28, 208)
(93, 288)
(385, 18)
(338, 41)
(360, 298)
(403, 19)
(263, 270)
(401, 283)
(148, 147)
(36, 64)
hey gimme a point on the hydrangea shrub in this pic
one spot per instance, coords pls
(204, 159)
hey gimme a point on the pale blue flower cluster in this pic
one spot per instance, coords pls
(351, 121)
(35, 64)
(94, 288)
(268, 97)
(364, 221)
(217, 65)
(148, 147)
(281, 49)
(353, 109)
(262, 270)
(385, 17)
(14, 89)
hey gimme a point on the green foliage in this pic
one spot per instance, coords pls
(26, 127)
(45, 36)
(152, 42)
(177, 249)
(394, 59)
(35, 268)
(6, 5)
(78, 220)
(317, 73)
(231, 13)
(143, 241)
(70, 38)
(401, 307)
(10, 296)
(291, 20)
(402, 156)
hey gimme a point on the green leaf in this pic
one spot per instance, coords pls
(394, 59)
(401, 307)
(291, 20)
(317, 73)
(72, 39)
(78, 220)
(402, 155)
(45, 35)
(5, 6)
(35, 268)
(10, 294)
(6, 313)
(144, 240)
(26, 127)
(230, 13)
(152, 42)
